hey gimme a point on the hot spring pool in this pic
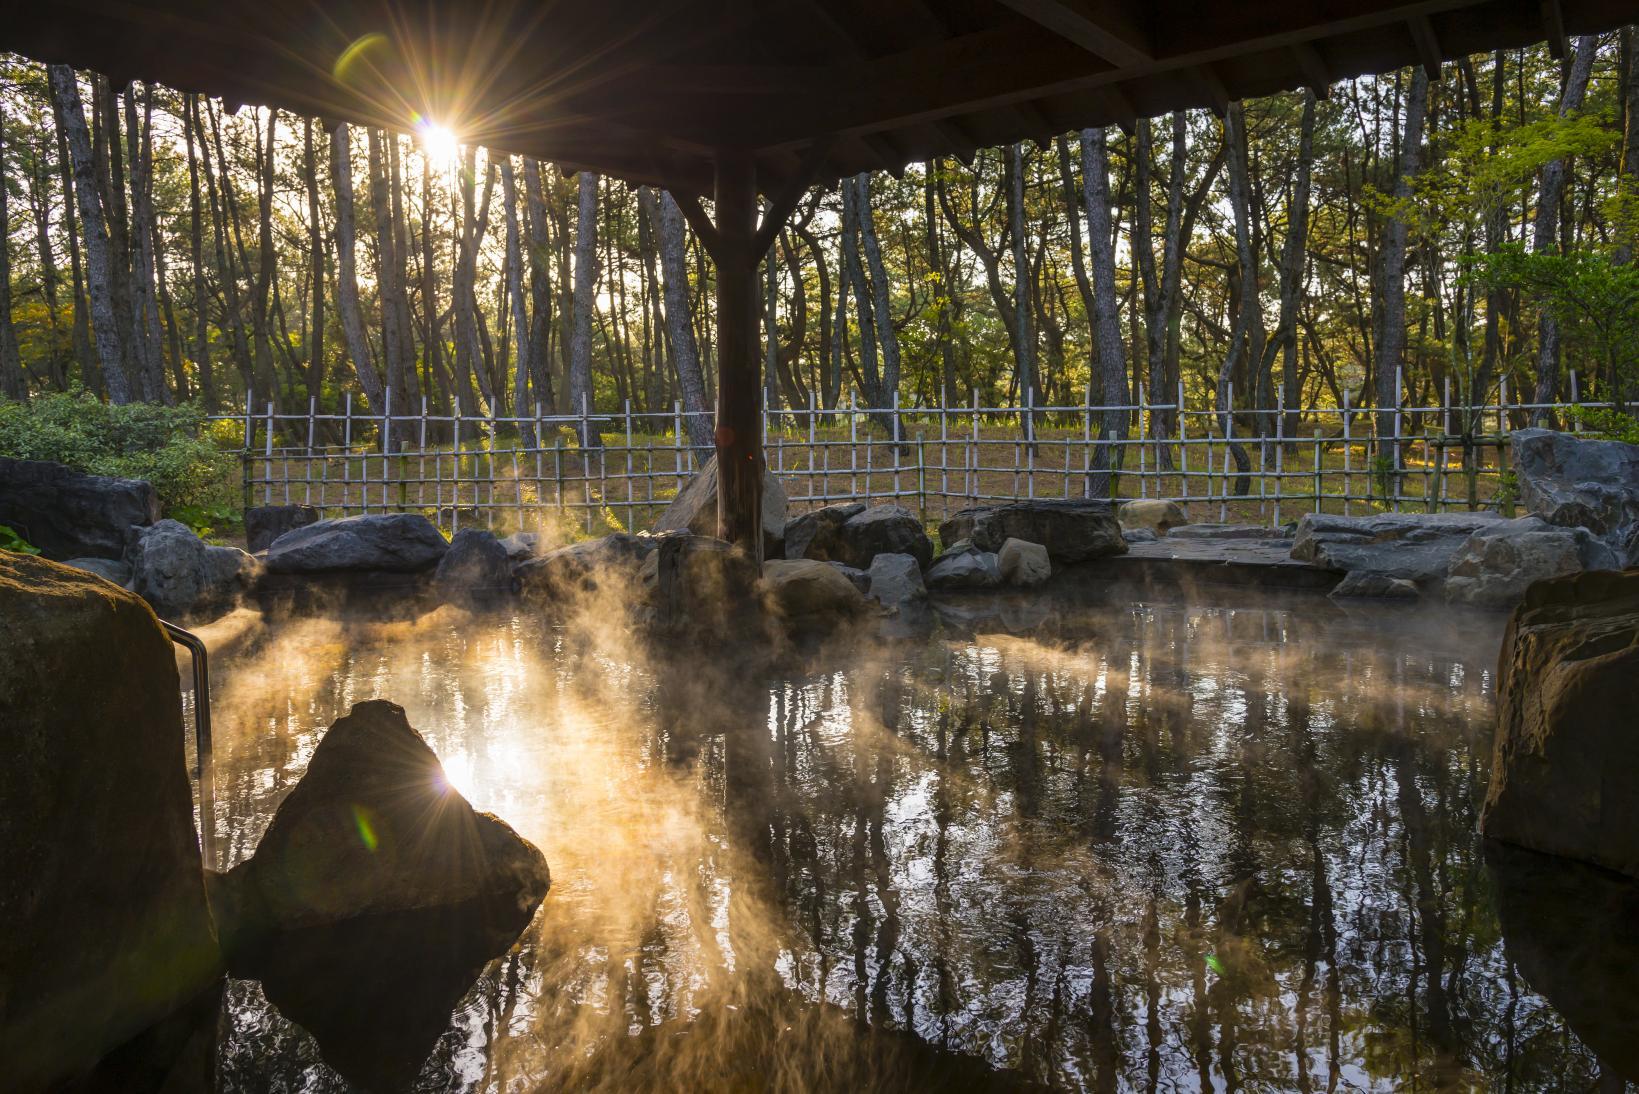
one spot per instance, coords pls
(1138, 846)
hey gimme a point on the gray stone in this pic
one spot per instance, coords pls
(1414, 546)
(883, 530)
(1024, 563)
(968, 570)
(896, 581)
(1496, 564)
(1071, 530)
(474, 570)
(1573, 482)
(106, 924)
(861, 579)
(695, 509)
(1369, 584)
(69, 514)
(372, 828)
(182, 577)
(585, 565)
(816, 534)
(522, 546)
(1151, 515)
(1139, 535)
(110, 569)
(386, 542)
(699, 584)
(806, 591)
(266, 523)
(1566, 750)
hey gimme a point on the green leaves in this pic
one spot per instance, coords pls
(11, 541)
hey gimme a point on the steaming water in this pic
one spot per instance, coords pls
(1139, 846)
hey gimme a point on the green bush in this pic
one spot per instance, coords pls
(1606, 424)
(171, 447)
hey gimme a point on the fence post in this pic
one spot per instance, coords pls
(250, 442)
(1348, 456)
(1183, 445)
(267, 469)
(921, 480)
(307, 468)
(386, 438)
(1576, 404)
(1229, 443)
(1280, 447)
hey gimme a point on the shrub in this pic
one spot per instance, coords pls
(171, 447)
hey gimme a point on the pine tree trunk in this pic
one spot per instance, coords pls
(540, 291)
(1024, 331)
(880, 301)
(196, 255)
(315, 245)
(83, 352)
(1545, 231)
(580, 354)
(1108, 350)
(1391, 333)
(12, 383)
(105, 323)
(147, 341)
(515, 295)
(347, 285)
(1293, 253)
(674, 275)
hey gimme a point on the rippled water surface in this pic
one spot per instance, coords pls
(1126, 846)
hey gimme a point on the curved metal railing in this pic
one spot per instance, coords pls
(202, 736)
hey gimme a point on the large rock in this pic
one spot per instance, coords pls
(1153, 515)
(266, 523)
(1371, 585)
(1416, 547)
(383, 542)
(475, 570)
(1024, 563)
(577, 567)
(1071, 530)
(817, 534)
(896, 581)
(967, 570)
(806, 591)
(69, 514)
(374, 828)
(1573, 482)
(106, 924)
(1566, 748)
(182, 577)
(883, 530)
(116, 570)
(695, 509)
(700, 584)
(1496, 564)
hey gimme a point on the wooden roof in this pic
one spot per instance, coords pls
(646, 89)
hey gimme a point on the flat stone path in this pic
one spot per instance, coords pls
(1237, 560)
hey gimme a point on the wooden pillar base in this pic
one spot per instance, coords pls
(739, 418)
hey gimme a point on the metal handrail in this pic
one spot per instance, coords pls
(202, 736)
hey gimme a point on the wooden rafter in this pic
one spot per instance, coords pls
(1106, 30)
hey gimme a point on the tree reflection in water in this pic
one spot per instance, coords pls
(1142, 846)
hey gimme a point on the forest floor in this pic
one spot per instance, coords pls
(571, 494)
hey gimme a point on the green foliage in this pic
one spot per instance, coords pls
(168, 446)
(11, 541)
(1606, 424)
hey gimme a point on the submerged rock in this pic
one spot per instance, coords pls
(1152, 515)
(182, 577)
(69, 514)
(808, 592)
(967, 570)
(106, 924)
(1071, 530)
(1496, 564)
(816, 534)
(266, 523)
(379, 542)
(475, 570)
(1575, 482)
(1416, 547)
(695, 509)
(1024, 563)
(1371, 585)
(1566, 750)
(895, 581)
(374, 828)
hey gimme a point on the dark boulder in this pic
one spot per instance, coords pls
(699, 584)
(69, 514)
(896, 581)
(1575, 482)
(1417, 547)
(966, 570)
(1071, 530)
(808, 593)
(266, 523)
(1566, 750)
(181, 576)
(816, 534)
(380, 542)
(106, 924)
(374, 828)
(475, 570)
(695, 509)
(882, 530)
(611, 560)
(109, 569)
(1496, 564)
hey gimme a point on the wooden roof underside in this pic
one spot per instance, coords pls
(647, 90)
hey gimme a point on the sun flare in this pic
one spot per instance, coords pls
(439, 144)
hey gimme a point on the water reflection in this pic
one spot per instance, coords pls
(1141, 846)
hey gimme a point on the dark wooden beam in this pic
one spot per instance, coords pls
(739, 420)
(1553, 27)
(1122, 108)
(1315, 73)
(1213, 86)
(781, 205)
(1428, 46)
(1103, 29)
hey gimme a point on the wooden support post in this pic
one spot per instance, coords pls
(739, 432)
